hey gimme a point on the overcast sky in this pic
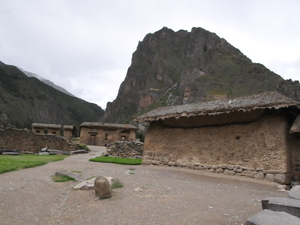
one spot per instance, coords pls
(86, 46)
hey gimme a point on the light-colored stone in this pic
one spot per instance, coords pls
(250, 173)
(269, 177)
(268, 217)
(295, 192)
(219, 170)
(86, 185)
(259, 176)
(280, 178)
(102, 188)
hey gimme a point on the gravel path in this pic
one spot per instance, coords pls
(151, 195)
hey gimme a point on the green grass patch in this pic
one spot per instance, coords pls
(12, 163)
(116, 184)
(117, 160)
(62, 178)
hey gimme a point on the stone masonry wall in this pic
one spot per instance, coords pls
(125, 149)
(258, 149)
(27, 141)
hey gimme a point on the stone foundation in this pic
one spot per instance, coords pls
(278, 176)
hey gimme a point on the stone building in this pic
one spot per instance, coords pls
(247, 136)
(68, 129)
(42, 128)
(102, 133)
(52, 129)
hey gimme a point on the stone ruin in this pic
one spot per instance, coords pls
(125, 149)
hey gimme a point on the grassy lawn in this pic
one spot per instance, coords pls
(117, 160)
(12, 163)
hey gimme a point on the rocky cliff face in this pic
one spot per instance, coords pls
(171, 68)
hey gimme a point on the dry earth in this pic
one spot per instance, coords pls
(151, 195)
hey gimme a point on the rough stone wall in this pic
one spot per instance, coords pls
(259, 146)
(125, 149)
(28, 141)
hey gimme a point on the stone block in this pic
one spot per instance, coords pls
(223, 166)
(171, 163)
(267, 217)
(229, 172)
(269, 177)
(280, 178)
(239, 170)
(250, 173)
(215, 167)
(219, 170)
(259, 176)
(230, 167)
(288, 205)
(295, 192)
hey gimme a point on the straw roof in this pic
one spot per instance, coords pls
(109, 125)
(44, 125)
(266, 100)
(68, 127)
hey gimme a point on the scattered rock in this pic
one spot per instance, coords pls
(295, 192)
(10, 153)
(81, 151)
(86, 185)
(102, 188)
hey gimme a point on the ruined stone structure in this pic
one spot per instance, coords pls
(53, 129)
(28, 141)
(102, 133)
(247, 136)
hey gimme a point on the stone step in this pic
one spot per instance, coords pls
(288, 205)
(268, 217)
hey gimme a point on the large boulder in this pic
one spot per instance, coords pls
(102, 188)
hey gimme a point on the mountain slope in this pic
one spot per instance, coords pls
(26, 100)
(171, 68)
(48, 82)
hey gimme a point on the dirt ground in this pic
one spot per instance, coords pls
(151, 195)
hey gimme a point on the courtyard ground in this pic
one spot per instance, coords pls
(151, 195)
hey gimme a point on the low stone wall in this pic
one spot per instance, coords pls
(125, 149)
(26, 141)
(278, 176)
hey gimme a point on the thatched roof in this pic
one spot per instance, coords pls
(109, 125)
(266, 100)
(68, 127)
(44, 125)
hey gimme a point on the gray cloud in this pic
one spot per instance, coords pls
(86, 46)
